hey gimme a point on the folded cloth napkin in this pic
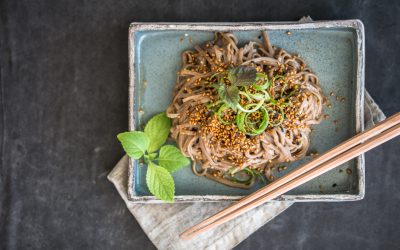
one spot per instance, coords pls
(164, 222)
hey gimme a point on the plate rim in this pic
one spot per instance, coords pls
(354, 24)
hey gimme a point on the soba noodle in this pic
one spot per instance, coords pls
(221, 150)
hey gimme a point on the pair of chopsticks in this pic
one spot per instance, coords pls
(349, 149)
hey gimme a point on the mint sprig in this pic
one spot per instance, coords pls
(160, 182)
(157, 130)
(171, 158)
(134, 143)
(139, 144)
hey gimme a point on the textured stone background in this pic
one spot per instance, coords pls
(64, 80)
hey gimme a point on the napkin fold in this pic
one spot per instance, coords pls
(164, 222)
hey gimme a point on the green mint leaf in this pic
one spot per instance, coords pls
(134, 143)
(171, 158)
(149, 157)
(242, 75)
(157, 129)
(160, 182)
(229, 94)
(152, 156)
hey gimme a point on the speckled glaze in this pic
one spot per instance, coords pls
(334, 50)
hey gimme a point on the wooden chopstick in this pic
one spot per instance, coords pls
(385, 136)
(395, 119)
(295, 176)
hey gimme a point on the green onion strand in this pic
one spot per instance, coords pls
(248, 127)
(219, 114)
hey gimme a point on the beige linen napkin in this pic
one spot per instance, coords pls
(163, 222)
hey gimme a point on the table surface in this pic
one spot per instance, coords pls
(64, 83)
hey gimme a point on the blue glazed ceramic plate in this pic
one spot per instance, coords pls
(334, 50)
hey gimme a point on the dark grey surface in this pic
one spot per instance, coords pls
(64, 79)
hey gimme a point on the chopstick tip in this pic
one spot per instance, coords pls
(184, 236)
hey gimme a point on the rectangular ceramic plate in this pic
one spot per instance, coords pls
(334, 50)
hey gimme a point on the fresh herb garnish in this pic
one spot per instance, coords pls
(134, 143)
(171, 158)
(157, 130)
(239, 76)
(139, 144)
(229, 94)
(160, 182)
(242, 76)
(248, 92)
